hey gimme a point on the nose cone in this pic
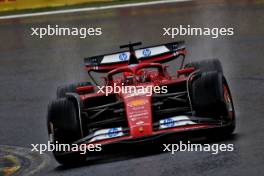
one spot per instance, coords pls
(139, 116)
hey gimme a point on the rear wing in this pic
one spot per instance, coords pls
(158, 53)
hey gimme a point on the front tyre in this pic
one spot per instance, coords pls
(211, 97)
(64, 128)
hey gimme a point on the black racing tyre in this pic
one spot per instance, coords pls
(211, 97)
(207, 94)
(206, 65)
(62, 90)
(64, 128)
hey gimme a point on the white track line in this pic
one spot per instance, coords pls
(90, 9)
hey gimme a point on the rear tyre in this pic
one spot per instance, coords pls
(62, 90)
(206, 65)
(64, 128)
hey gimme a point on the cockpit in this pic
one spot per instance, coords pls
(140, 73)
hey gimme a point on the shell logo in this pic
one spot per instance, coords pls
(136, 103)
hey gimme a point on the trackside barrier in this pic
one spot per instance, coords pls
(12, 5)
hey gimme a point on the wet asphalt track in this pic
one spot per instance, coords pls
(31, 69)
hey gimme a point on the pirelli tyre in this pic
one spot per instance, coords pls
(62, 90)
(211, 97)
(206, 65)
(64, 127)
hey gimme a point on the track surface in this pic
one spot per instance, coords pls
(31, 69)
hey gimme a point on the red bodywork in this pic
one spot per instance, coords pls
(138, 107)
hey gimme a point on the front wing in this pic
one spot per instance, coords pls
(174, 125)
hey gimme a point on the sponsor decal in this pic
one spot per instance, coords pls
(133, 116)
(107, 133)
(123, 57)
(113, 132)
(136, 103)
(133, 94)
(146, 52)
(169, 122)
(151, 51)
(140, 123)
(138, 108)
(175, 121)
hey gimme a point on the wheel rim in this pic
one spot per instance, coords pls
(228, 102)
(51, 134)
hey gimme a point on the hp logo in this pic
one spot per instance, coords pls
(146, 52)
(123, 56)
(113, 132)
(169, 122)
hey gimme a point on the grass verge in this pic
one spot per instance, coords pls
(82, 5)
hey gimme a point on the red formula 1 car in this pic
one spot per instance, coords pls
(195, 98)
